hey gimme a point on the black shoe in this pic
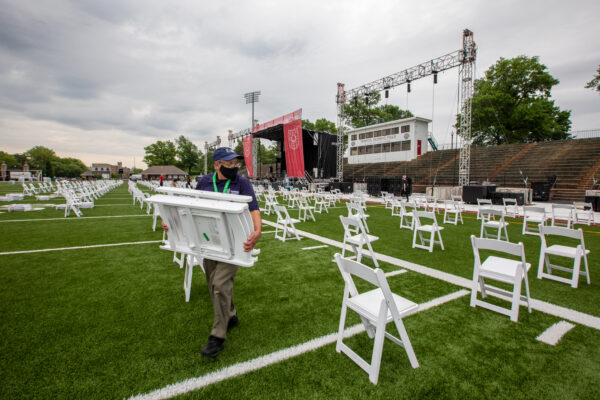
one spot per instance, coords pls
(233, 322)
(213, 346)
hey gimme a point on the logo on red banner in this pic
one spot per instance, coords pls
(294, 150)
(247, 141)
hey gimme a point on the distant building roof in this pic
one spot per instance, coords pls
(163, 170)
(87, 173)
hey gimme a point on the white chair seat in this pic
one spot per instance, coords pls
(500, 269)
(431, 228)
(368, 304)
(359, 239)
(496, 224)
(564, 251)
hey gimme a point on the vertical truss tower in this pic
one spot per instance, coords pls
(463, 58)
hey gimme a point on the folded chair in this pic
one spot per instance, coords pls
(421, 228)
(286, 223)
(577, 253)
(536, 216)
(356, 236)
(493, 219)
(376, 309)
(501, 269)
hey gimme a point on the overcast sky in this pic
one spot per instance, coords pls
(100, 79)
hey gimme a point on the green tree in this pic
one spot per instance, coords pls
(136, 170)
(69, 167)
(321, 125)
(160, 153)
(187, 153)
(40, 157)
(512, 104)
(9, 159)
(595, 83)
(364, 111)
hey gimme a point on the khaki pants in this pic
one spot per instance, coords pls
(219, 277)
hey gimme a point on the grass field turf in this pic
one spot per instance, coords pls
(112, 322)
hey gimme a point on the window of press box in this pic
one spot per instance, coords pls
(377, 148)
(354, 151)
(385, 147)
(405, 128)
(405, 145)
(396, 146)
(369, 135)
(362, 135)
(369, 149)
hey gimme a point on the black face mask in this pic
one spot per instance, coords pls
(229, 173)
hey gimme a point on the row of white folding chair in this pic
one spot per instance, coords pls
(270, 203)
(305, 210)
(425, 222)
(577, 253)
(321, 203)
(483, 203)
(452, 212)
(536, 216)
(511, 207)
(562, 215)
(583, 213)
(493, 220)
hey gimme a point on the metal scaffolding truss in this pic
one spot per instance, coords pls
(463, 58)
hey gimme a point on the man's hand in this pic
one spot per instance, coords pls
(165, 227)
(252, 239)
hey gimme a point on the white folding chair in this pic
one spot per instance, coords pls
(458, 199)
(407, 218)
(356, 236)
(489, 221)
(305, 210)
(355, 210)
(321, 203)
(535, 215)
(577, 253)
(583, 213)
(431, 229)
(511, 207)
(501, 269)
(452, 212)
(286, 223)
(396, 210)
(376, 309)
(562, 215)
(483, 203)
(270, 203)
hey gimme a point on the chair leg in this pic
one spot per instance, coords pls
(187, 281)
(406, 343)
(576, 269)
(378, 345)
(587, 270)
(340, 336)
(516, 297)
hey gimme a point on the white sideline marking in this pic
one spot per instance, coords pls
(315, 247)
(76, 219)
(539, 305)
(553, 334)
(394, 273)
(245, 367)
(6, 253)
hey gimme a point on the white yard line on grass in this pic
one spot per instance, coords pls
(553, 334)
(394, 273)
(77, 218)
(539, 305)
(6, 253)
(315, 247)
(232, 371)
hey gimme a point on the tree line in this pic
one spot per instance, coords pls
(46, 160)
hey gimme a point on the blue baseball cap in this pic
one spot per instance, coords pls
(225, 154)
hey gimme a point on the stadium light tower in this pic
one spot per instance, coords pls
(252, 97)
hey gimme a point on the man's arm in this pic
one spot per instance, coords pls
(254, 236)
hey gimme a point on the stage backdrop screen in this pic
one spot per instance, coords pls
(294, 151)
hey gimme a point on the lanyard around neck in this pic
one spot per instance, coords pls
(215, 184)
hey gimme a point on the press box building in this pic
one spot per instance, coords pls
(399, 140)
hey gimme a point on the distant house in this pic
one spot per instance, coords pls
(106, 170)
(88, 175)
(167, 171)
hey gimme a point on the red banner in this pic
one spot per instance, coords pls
(281, 120)
(247, 141)
(294, 151)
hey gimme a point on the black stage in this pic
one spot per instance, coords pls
(320, 150)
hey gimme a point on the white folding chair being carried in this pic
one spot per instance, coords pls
(501, 269)
(356, 236)
(421, 228)
(376, 309)
(577, 253)
(536, 216)
(452, 212)
(285, 223)
(562, 215)
(493, 219)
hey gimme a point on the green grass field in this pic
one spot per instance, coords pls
(112, 322)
